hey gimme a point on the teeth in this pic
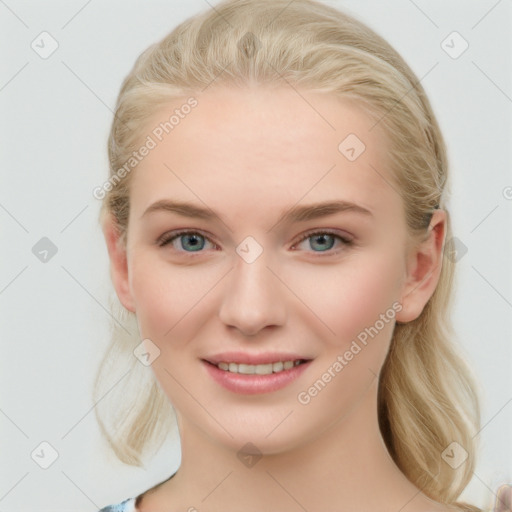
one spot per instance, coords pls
(258, 369)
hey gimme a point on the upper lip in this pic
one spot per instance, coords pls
(246, 358)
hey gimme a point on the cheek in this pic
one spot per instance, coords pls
(348, 297)
(168, 297)
(373, 290)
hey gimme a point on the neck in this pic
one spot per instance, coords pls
(346, 467)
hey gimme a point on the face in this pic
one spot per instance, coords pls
(251, 277)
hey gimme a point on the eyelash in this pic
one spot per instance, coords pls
(170, 237)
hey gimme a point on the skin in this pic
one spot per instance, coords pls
(250, 155)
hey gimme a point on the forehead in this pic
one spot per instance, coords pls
(272, 146)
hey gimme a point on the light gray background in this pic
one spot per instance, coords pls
(56, 114)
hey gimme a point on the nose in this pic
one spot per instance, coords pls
(253, 297)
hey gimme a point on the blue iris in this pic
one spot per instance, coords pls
(195, 243)
(322, 238)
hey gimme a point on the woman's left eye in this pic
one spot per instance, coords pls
(325, 240)
(193, 241)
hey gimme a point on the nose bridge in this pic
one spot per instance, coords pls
(252, 297)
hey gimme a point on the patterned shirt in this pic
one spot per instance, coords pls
(125, 506)
(130, 504)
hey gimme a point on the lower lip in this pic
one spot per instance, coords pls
(254, 384)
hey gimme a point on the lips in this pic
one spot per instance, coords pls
(254, 383)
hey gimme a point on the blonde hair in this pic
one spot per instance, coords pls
(427, 398)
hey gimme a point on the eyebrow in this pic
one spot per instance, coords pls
(300, 213)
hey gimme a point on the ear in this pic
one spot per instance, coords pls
(118, 263)
(424, 266)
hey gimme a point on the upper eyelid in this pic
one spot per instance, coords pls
(168, 236)
(329, 231)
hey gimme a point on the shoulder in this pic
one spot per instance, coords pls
(127, 505)
(132, 504)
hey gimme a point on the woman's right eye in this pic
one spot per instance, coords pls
(184, 241)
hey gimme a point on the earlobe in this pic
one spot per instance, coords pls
(423, 270)
(118, 263)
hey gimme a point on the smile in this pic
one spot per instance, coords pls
(251, 379)
(259, 369)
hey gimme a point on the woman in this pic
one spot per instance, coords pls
(276, 223)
